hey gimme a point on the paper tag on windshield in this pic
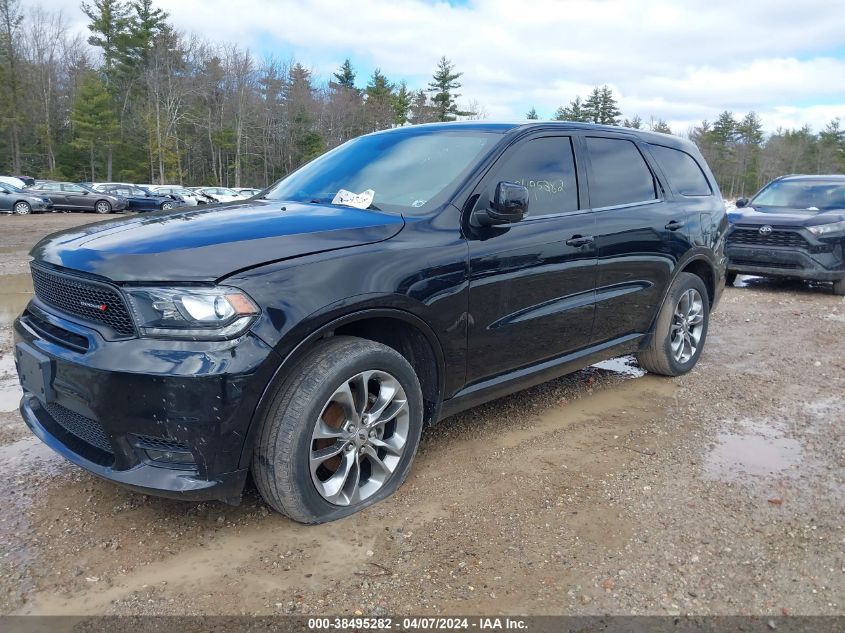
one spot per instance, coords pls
(358, 200)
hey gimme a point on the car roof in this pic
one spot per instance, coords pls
(814, 177)
(505, 127)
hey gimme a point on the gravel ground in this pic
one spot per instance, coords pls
(604, 492)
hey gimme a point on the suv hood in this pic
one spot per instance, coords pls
(758, 216)
(207, 244)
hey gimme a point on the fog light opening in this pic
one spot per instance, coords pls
(179, 458)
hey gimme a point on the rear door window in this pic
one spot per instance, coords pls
(546, 166)
(682, 170)
(619, 173)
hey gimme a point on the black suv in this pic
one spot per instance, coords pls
(309, 334)
(794, 227)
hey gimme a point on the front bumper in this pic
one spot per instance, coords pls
(817, 261)
(106, 408)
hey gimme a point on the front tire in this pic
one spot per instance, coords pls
(166, 206)
(22, 208)
(340, 433)
(681, 329)
(103, 207)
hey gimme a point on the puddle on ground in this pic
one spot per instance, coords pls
(753, 449)
(23, 466)
(626, 365)
(10, 390)
(15, 292)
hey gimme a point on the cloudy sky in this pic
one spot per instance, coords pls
(679, 60)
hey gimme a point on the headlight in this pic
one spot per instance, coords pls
(821, 230)
(192, 313)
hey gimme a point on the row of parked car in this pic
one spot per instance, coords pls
(21, 197)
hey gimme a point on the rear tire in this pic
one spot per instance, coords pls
(321, 453)
(681, 329)
(103, 207)
(839, 287)
(22, 208)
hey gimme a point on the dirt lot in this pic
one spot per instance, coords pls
(720, 492)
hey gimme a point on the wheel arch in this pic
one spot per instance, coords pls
(702, 267)
(403, 331)
(699, 263)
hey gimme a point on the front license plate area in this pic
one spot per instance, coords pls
(36, 372)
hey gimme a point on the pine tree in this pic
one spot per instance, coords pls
(443, 85)
(749, 133)
(345, 76)
(94, 119)
(635, 123)
(531, 115)
(660, 126)
(831, 148)
(109, 24)
(145, 24)
(608, 109)
(592, 106)
(401, 104)
(575, 111)
(421, 109)
(379, 87)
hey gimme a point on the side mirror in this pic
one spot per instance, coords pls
(742, 202)
(510, 205)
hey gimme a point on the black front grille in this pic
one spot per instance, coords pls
(777, 237)
(89, 300)
(86, 429)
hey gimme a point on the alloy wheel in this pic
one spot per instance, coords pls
(103, 207)
(22, 208)
(359, 438)
(687, 326)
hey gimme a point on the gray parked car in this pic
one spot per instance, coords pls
(20, 201)
(70, 196)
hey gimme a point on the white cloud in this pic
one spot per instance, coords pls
(678, 60)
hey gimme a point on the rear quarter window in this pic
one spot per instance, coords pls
(682, 170)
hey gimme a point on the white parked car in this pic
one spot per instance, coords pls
(15, 182)
(223, 194)
(190, 197)
(248, 191)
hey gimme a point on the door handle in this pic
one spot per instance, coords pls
(674, 225)
(580, 240)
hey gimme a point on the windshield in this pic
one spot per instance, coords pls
(11, 187)
(812, 195)
(410, 172)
